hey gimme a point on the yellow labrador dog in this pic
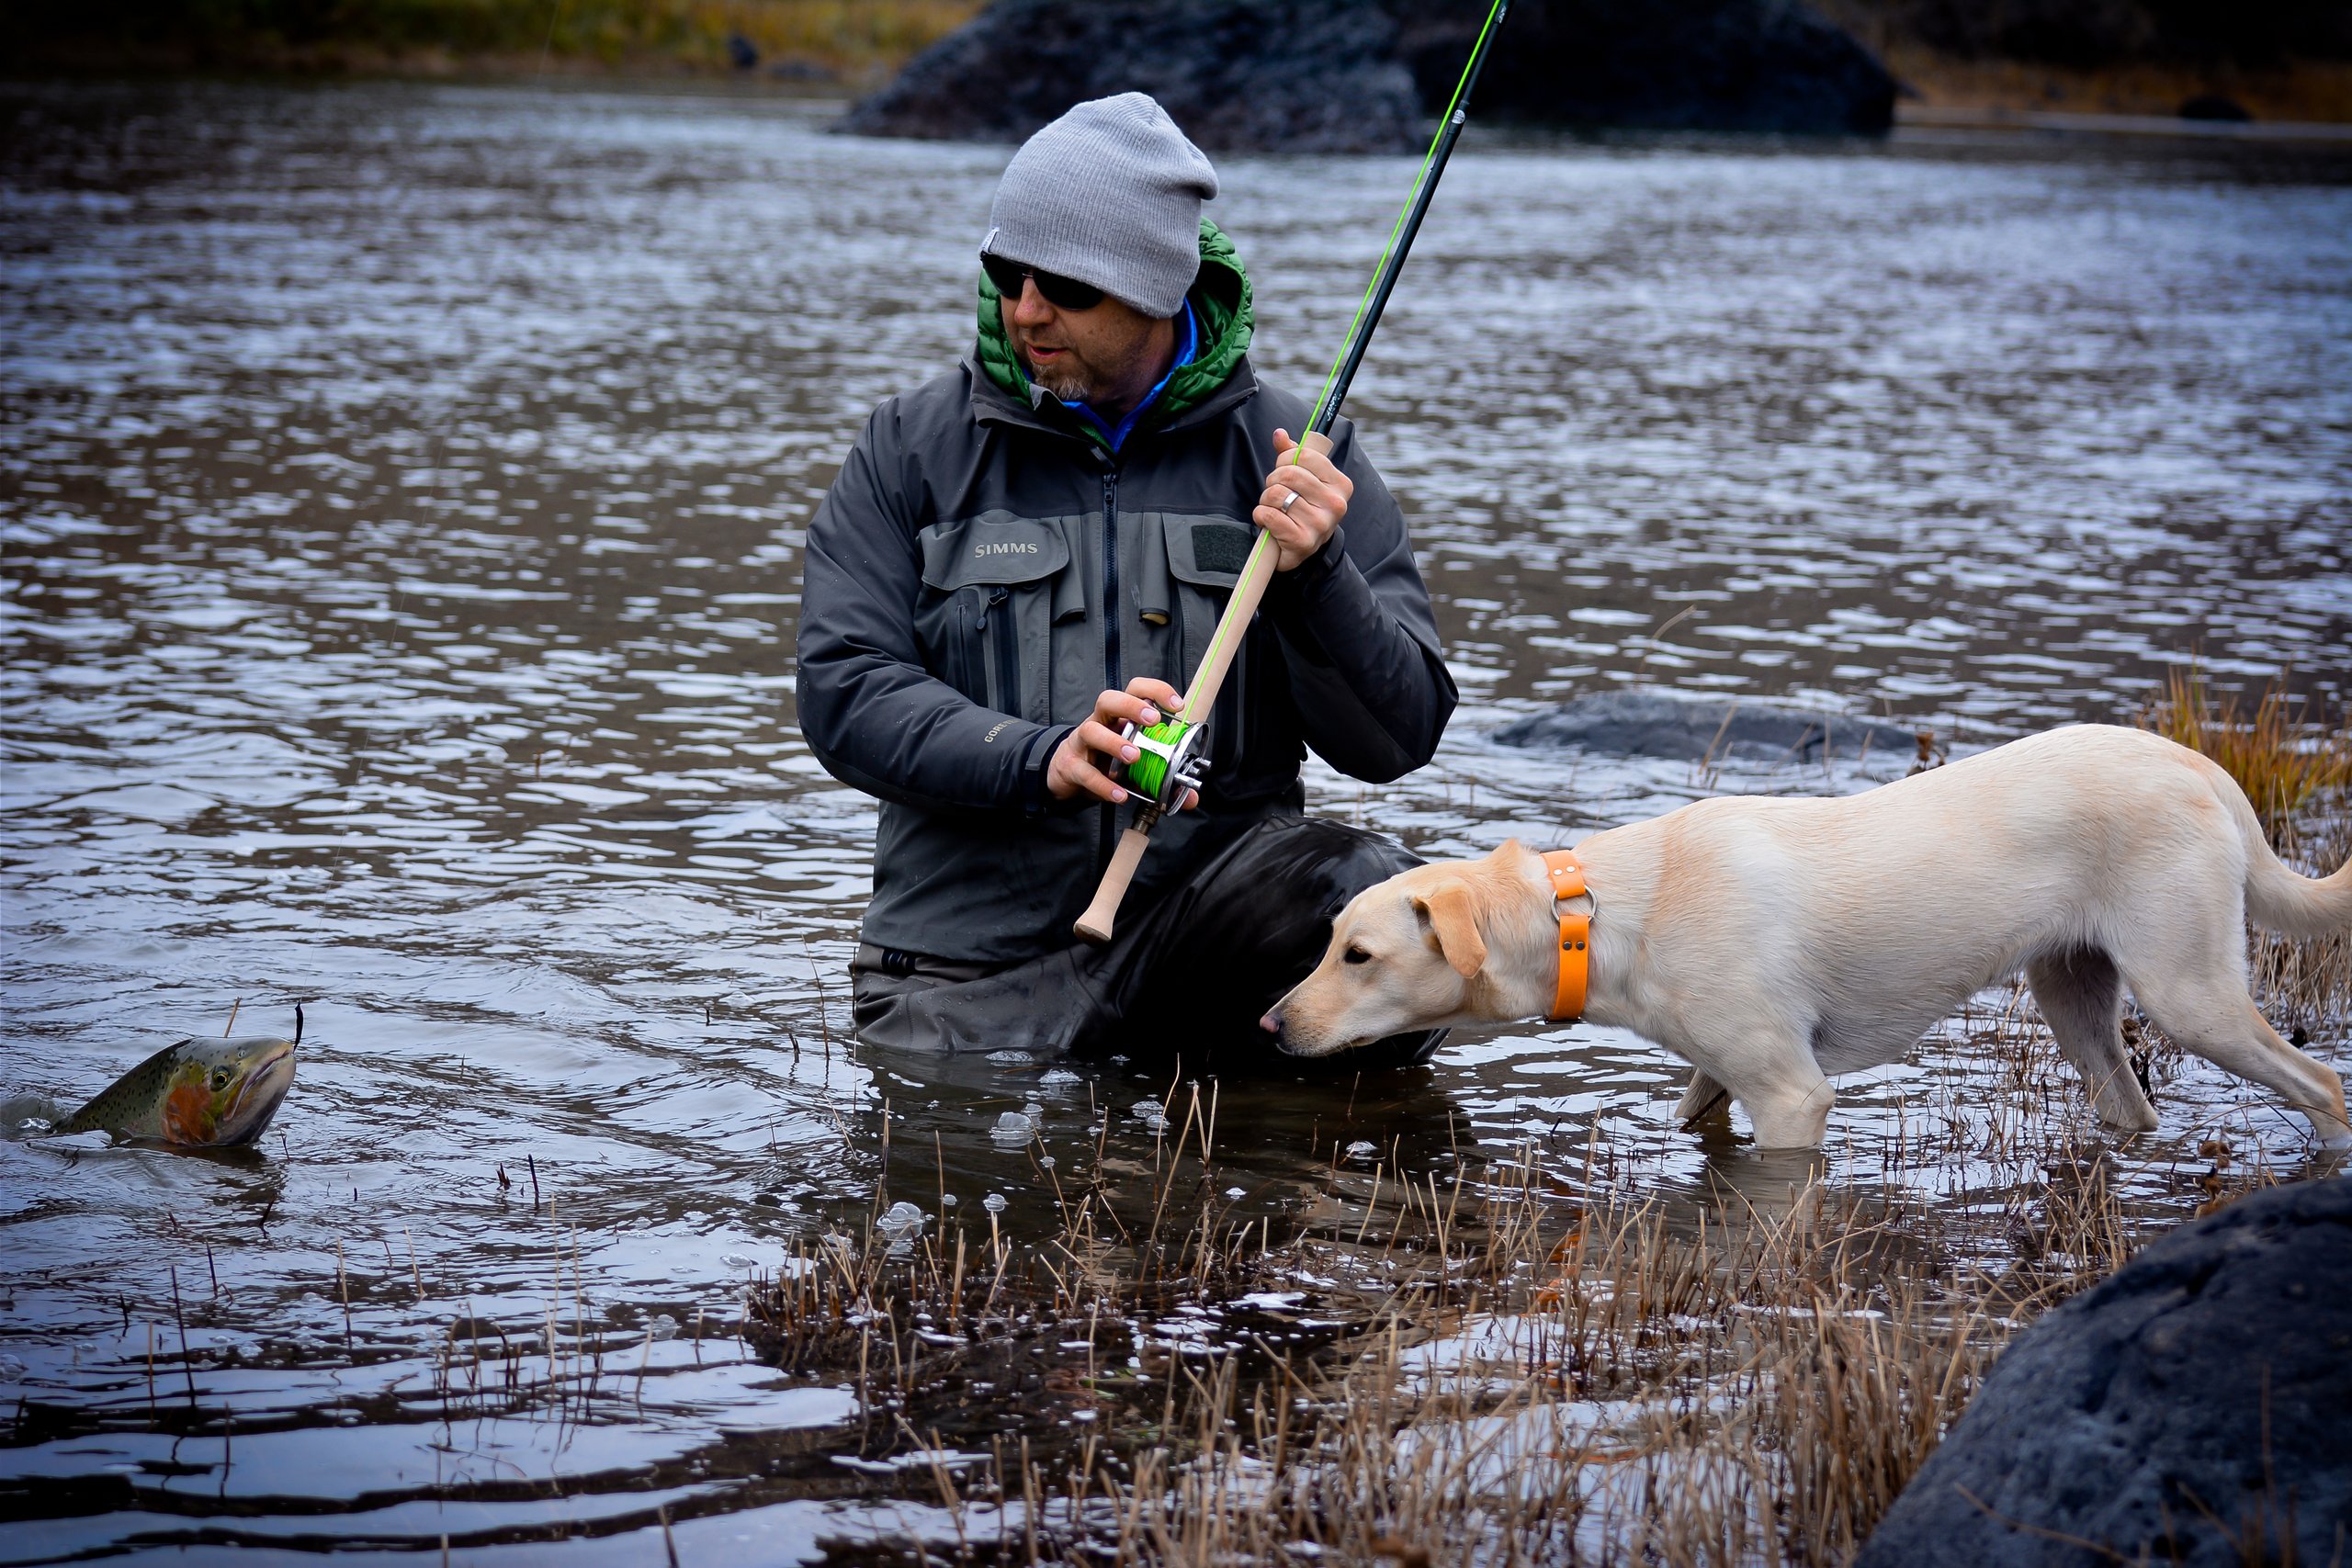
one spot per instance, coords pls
(1770, 941)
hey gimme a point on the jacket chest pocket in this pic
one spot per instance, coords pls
(985, 615)
(1201, 558)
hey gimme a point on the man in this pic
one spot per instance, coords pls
(1030, 550)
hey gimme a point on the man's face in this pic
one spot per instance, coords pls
(1095, 356)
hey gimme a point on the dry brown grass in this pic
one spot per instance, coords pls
(2307, 90)
(2299, 776)
(2305, 985)
(1544, 1359)
(2283, 763)
(1637, 1396)
(850, 38)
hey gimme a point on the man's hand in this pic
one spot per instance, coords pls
(1079, 761)
(1322, 491)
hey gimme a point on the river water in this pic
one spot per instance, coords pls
(402, 491)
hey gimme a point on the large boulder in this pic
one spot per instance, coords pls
(2092, 35)
(2194, 1410)
(1652, 724)
(1770, 65)
(1365, 76)
(1281, 76)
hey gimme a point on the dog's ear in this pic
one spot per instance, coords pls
(1454, 917)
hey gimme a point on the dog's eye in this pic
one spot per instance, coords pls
(1355, 955)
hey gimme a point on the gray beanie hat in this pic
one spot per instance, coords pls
(1110, 194)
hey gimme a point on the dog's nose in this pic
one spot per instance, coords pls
(1272, 1024)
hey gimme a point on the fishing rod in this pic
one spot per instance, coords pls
(1170, 764)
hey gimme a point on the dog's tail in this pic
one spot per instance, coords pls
(2277, 897)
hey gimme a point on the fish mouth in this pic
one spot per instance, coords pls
(257, 1099)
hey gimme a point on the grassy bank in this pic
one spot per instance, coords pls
(2308, 90)
(2288, 60)
(1559, 1356)
(855, 41)
(1538, 1360)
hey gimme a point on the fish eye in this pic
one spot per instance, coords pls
(219, 1079)
(1355, 955)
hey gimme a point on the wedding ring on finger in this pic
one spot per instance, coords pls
(1290, 499)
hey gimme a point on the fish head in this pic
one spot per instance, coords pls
(223, 1093)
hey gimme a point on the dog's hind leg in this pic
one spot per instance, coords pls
(2204, 1008)
(1704, 1098)
(2082, 995)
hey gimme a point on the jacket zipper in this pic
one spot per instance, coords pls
(1005, 650)
(1108, 837)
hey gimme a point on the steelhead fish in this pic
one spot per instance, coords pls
(199, 1094)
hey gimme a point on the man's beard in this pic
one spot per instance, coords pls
(1073, 381)
(1076, 379)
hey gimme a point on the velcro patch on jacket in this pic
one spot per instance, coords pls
(1221, 547)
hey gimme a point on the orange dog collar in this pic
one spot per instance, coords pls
(1576, 935)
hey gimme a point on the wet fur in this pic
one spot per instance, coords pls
(1770, 941)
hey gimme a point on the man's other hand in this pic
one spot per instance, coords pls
(1080, 761)
(1322, 492)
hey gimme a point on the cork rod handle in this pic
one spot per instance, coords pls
(1094, 926)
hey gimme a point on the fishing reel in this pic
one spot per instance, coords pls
(1168, 763)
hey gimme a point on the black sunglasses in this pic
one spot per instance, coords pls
(1062, 293)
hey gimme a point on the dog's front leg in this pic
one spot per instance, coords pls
(1760, 1055)
(1774, 1078)
(1704, 1098)
(1791, 1116)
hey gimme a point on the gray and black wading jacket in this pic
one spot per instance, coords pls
(985, 565)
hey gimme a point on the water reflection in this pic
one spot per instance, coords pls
(400, 494)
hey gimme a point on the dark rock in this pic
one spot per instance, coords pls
(2083, 34)
(2214, 105)
(2097, 34)
(1768, 65)
(1648, 724)
(1363, 76)
(2199, 1402)
(1236, 74)
(741, 52)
